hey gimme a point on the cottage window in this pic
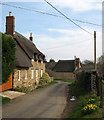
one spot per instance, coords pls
(25, 74)
(18, 75)
(41, 72)
(36, 73)
(32, 74)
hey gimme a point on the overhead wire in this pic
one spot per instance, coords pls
(41, 12)
(67, 17)
(29, 9)
(56, 47)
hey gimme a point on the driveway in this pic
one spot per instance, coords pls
(48, 102)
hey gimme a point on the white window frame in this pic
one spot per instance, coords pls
(18, 75)
(32, 73)
(25, 74)
(41, 72)
(36, 73)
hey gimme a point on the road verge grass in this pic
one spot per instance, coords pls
(4, 100)
(47, 84)
(82, 99)
(30, 89)
(66, 80)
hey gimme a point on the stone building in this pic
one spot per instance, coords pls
(30, 62)
(63, 69)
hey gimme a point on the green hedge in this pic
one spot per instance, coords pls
(83, 79)
(8, 56)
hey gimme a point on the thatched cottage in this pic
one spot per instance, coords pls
(30, 62)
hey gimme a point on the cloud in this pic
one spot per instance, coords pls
(71, 43)
(78, 5)
(74, 5)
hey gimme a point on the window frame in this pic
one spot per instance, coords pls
(32, 73)
(41, 72)
(26, 74)
(19, 75)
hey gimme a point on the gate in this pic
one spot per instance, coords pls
(7, 85)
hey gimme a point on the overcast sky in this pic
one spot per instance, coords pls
(57, 37)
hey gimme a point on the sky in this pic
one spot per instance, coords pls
(56, 36)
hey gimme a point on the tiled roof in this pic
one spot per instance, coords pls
(50, 65)
(65, 66)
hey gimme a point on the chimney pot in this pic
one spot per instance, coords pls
(31, 38)
(30, 34)
(10, 14)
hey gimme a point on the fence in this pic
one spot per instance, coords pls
(7, 85)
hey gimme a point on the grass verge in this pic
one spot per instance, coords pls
(4, 100)
(48, 84)
(66, 80)
(82, 100)
(30, 89)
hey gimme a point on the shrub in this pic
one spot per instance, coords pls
(83, 79)
(8, 56)
(45, 78)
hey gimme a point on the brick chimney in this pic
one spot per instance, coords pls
(10, 24)
(31, 37)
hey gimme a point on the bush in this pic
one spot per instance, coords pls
(8, 56)
(83, 80)
(45, 78)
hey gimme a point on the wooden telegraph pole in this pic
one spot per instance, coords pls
(95, 50)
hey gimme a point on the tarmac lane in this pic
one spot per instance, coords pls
(48, 102)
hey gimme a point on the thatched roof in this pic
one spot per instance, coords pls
(22, 60)
(65, 66)
(27, 45)
(26, 50)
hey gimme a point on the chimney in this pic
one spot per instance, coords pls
(10, 24)
(31, 38)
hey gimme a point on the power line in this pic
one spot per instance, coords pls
(87, 22)
(29, 9)
(67, 17)
(55, 47)
(41, 12)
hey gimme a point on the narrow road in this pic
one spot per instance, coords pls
(48, 102)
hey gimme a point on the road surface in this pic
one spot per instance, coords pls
(48, 102)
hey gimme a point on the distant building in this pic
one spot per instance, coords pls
(30, 62)
(63, 69)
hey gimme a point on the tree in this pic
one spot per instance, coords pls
(51, 60)
(100, 63)
(88, 62)
(8, 56)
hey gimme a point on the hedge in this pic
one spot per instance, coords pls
(83, 79)
(8, 56)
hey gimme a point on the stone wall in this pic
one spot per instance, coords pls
(60, 75)
(29, 81)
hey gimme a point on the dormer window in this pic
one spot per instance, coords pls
(35, 56)
(39, 58)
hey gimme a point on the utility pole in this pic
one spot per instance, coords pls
(95, 50)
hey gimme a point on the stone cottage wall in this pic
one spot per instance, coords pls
(60, 75)
(28, 82)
